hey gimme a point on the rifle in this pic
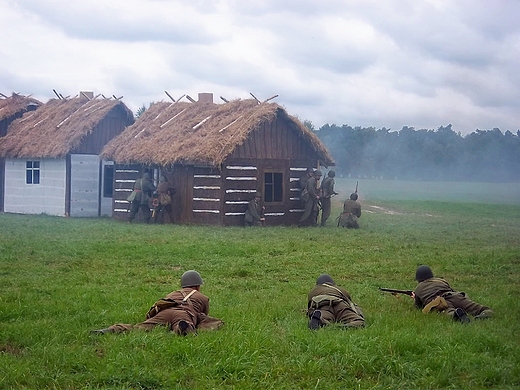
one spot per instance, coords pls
(262, 215)
(395, 292)
(355, 192)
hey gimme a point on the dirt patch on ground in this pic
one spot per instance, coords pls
(11, 349)
(378, 209)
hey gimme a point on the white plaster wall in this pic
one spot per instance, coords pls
(84, 185)
(48, 197)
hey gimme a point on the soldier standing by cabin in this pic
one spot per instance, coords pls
(143, 189)
(326, 192)
(165, 192)
(311, 198)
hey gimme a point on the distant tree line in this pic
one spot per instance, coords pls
(409, 154)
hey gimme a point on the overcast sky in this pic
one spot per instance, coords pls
(381, 63)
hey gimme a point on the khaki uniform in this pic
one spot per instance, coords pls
(350, 215)
(253, 213)
(165, 192)
(335, 305)
(193, 310)
(143, 189)
(429, 289)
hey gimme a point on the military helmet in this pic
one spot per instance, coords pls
(324, 278)
(317, 173)
(353, 196)
(258, 194)
(423, 272)
(310, 170)
(146, 176)
(332, 173)
(162, 178)
(191, 278)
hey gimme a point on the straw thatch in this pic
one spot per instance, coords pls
(15, 104)
(198, 133)
(56, 128)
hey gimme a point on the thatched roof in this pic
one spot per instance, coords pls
(56, 128)
(202, 133)
(15, 104)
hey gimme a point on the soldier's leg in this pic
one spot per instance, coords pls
(306, 213)
(325, 211)
(134, 208)
(116, 328)
(470, 307)
(146, 212)
(349, 316)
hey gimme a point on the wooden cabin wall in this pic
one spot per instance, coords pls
(109, 127)
(124, 179)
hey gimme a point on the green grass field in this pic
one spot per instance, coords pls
(60, 278)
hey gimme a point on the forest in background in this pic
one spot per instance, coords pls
(410, 154)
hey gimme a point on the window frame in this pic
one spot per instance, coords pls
(32, 172)
(274, 189)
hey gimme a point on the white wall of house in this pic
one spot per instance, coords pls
(84, 185)
(47, 197)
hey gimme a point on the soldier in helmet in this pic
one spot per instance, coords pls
(310, 197)
(327, 303)
(143, 189)
(436, 294)
(326, 192)
(351, 213)
(182, 311)
(254, 212)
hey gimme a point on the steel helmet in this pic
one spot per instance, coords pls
(331, 174)
(353, 196)
(317, 173)
(324, 278)
(423, 272)
(191, 279)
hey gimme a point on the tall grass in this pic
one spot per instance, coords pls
(61, 278)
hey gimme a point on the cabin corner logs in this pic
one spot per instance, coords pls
(207, 195)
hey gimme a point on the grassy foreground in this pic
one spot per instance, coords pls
(61, 278)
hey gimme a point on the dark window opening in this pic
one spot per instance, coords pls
(273, 187)
(108, 181)
(32, 172)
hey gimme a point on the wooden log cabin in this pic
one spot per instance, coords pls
(217, 156)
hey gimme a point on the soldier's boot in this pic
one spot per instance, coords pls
(488, 313)
(460, 315)
(315, 321)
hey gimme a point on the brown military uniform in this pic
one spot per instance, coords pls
(165, 202)
(429, 289)
(335, 305)
(191, 310)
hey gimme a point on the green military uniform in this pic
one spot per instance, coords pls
(253, 214)
(327, 303)
(436, 294)
(429, 289)
(326, 191)
(310, 198)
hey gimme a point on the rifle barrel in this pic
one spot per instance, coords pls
(395, 291)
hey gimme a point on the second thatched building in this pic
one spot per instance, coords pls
(217, 156)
